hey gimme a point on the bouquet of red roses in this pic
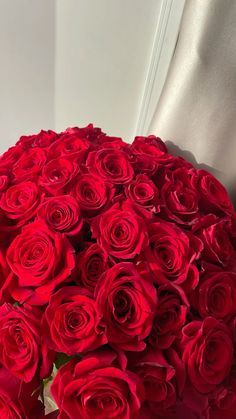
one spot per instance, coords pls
(117, 282)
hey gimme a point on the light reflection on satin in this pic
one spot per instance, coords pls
(197, 109)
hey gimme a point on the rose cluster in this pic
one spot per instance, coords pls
(117, 282)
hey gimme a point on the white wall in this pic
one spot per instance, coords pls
(102, 56)
(71, 62)
(26, 68)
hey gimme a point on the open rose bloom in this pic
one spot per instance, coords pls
(117, 282)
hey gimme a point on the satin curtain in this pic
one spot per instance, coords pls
(197, 109)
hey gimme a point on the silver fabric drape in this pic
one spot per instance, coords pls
(197, 109)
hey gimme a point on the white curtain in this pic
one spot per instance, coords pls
(197, 109)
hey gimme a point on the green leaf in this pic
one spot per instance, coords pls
(61, 360)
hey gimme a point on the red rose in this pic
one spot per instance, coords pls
(4, 181)
(144, 192)
(62, 214)
(41, 259)
(71, 322)
(68, 144)
(19, 400)
(121, 232)
(215, 234)
(223, 402)
(172, 252)
(214, 197)
(91, 263)
(42, 139)
(5, 278)
(180, 197)
(57, 174)
(151, 146)
(170, 316)
(10, 157)
(112, 165)
(92, 194)
(29, 165)
(207, 353)
(128, 303)
(97, 387)
(20, 342)
(216, 295)
(163, 378)
(19, 202)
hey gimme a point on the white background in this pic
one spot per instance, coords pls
(71, 62)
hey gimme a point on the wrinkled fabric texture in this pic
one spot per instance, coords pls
(197, 109)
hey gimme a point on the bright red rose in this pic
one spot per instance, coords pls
(97, 387)
(151, 146)
(215, 234)
(170, 316)
(5, 278)
(207, 353)
(180, 197)
(171, 252)
(57, 175)
(10, 157)
(19, 400)
(19, 203)
(91, 263)
(163, 377)
(216, 295)
(68, 144)
(4, 182)
(29, 165)
(72, 323)
(213, 196)
(128, 303)
(20, 342)
(92, 194)
(143, 192)
(42, 139)
(62, 214)
(41, 260)
(121, 232)
(111, 164)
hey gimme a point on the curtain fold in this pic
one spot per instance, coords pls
(197, 109)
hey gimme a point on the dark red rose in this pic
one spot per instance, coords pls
(207, 353)
(97, 387)
(72, 322)
(111, 164)
(215, 234)
(121, 232)
(170, 316)
(42, 139)
(223, 403)
(19, 400)
(29, 165)
(62, 214)
(163, 377)
(92, 194)
(41, 260)
(57, 174)
(180, 197)
(143, 192)
(128, 303)
(216, 295)
(5, 278)
(91, 263)
(19, 202)
(213, 196)
(172, 252)
(20, 342)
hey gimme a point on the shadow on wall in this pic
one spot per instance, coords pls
(173, 148)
